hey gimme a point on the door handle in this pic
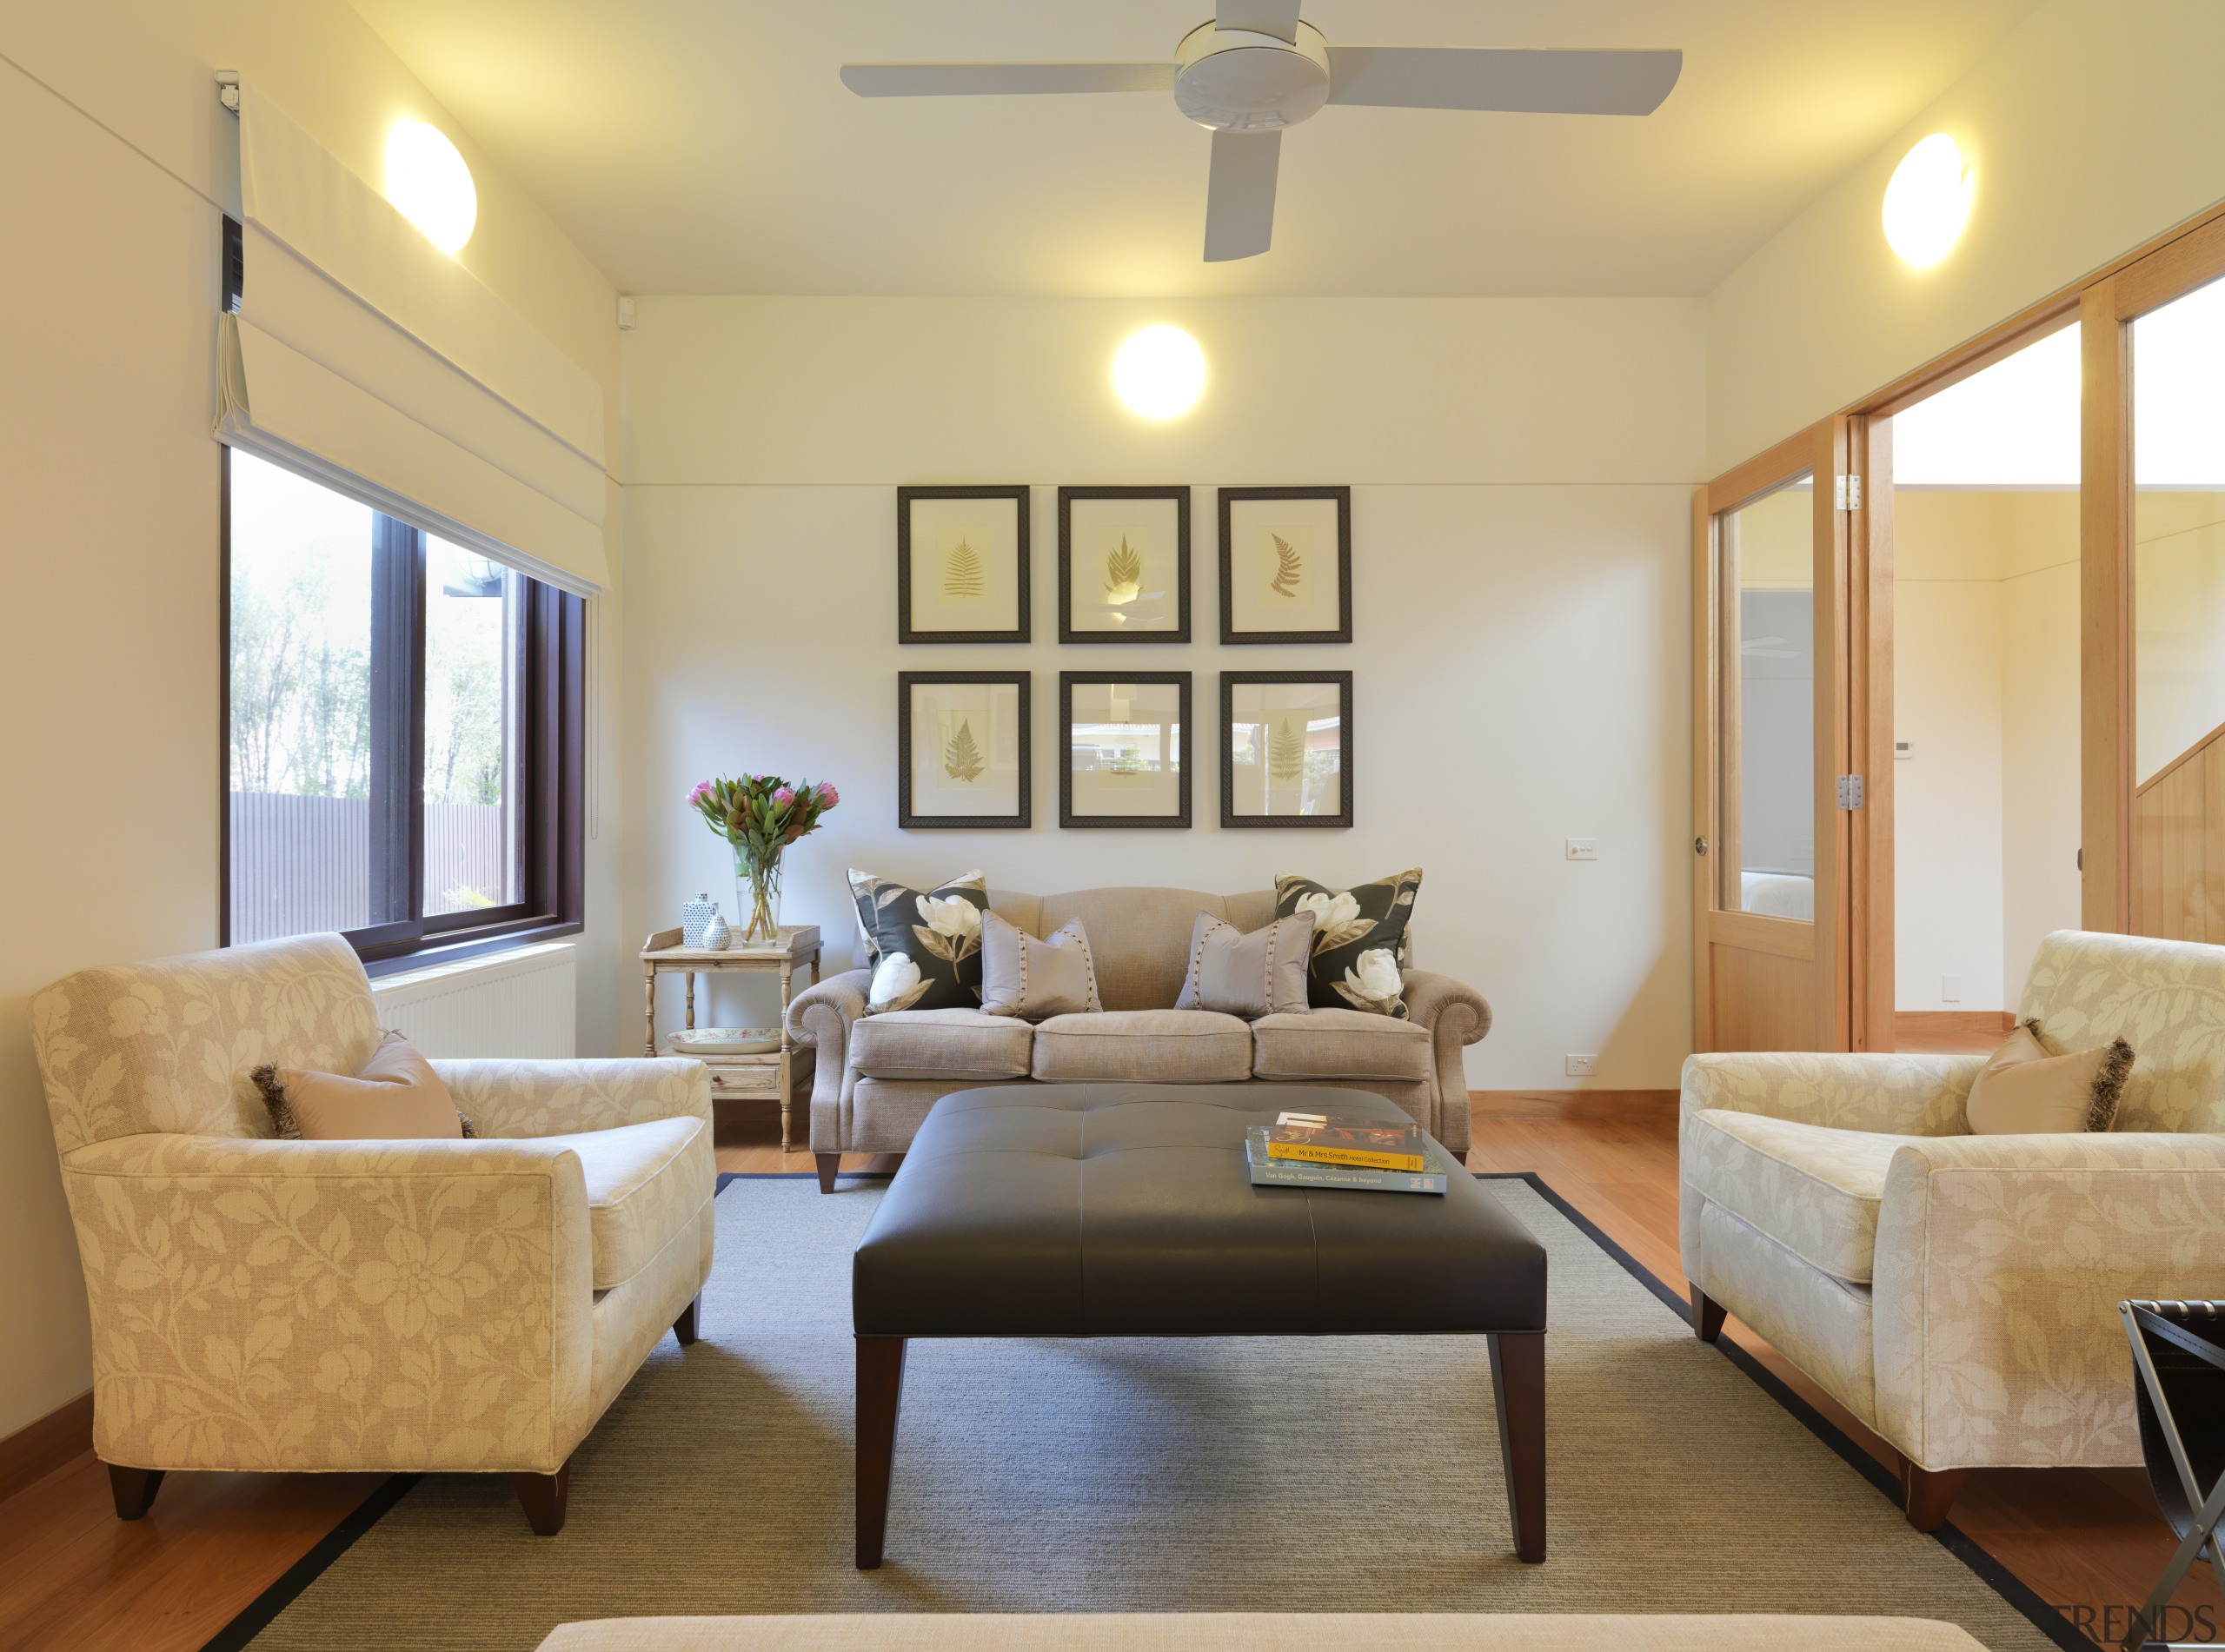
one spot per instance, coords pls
(1699, 846)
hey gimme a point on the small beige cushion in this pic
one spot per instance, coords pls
(1036, 979)
(1262, 973)
(1339, 1044)
(645, 1183)
(940, 1044)
(397, 1097)
(1815, 1190)
(2027, 1090)
(1144, 1047)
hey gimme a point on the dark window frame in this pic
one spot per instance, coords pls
(551, 850)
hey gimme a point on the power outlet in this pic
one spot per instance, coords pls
(1951, 989)
(1582, 1067)
(1581, 848)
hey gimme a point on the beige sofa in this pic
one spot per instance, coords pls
(1260, 1632)
(267, 1305)
(877, 1075)
(1958, 1293)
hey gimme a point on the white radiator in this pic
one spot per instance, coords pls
(520, 1004)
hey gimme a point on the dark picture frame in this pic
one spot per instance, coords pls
(1229, 681)
(1068, 632)
(1021, 498)
(908, 818)
(1070, 680)
(1342, 498)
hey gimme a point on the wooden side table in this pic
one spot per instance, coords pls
(736, 1075)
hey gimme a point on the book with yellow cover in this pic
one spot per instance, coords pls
(1380, 1147)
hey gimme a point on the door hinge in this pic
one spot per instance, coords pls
(1846, 494)
(1850, 791)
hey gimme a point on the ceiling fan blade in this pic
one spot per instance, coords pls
(1531, 83)
(1240, 198)
(1276, 17)
(969, 80)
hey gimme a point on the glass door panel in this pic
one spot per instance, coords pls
(2178, 581)
(1766, 813)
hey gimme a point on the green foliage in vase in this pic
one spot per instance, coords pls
(961, 572)
(1289, 566)
(1286, 753)
(961, 758)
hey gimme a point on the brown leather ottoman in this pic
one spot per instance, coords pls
(1123, 1210)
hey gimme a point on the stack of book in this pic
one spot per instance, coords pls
(1309, 1150)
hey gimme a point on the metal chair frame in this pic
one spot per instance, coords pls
(2192, 1514)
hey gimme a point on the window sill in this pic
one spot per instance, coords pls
(434, 952)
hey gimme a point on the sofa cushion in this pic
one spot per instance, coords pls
(1339, 1044)
(1145, 1047)
(645, 1183)
(1813, 1189)
(940, 1044)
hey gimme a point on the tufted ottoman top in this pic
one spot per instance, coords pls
(1123, 1210)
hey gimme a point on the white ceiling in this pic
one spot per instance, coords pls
(706, 146)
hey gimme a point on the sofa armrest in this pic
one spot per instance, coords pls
(518, 1099)
(1891, 1095)
(335, 1305)
(820, 1019)
(2000, 1262)
(1457, 1016)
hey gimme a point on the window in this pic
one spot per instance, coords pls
(403, 728)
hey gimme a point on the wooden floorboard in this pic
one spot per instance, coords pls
(72, 1574)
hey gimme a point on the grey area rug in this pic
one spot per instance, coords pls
(1330, 1474)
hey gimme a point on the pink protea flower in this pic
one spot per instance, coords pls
(829, 797)
(702, 790)
(784, 796)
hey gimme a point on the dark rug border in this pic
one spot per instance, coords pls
(1990, 1571)
(259, 1612)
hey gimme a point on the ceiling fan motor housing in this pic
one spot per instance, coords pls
(1231, 80)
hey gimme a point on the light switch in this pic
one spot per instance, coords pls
(1583, 848)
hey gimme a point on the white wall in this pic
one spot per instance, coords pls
(2093, 126)
(1521, 474)
(120, 165)
(1985, 687)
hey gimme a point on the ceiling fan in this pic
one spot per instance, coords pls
(1255, 69)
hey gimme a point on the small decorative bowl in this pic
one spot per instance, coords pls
(727, 1041)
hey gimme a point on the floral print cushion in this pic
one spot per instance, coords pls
(925, 946)
(1360, 944)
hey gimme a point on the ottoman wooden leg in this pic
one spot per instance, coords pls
(1518, 1386)
(880, 1384)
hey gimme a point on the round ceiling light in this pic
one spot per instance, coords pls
(1927, 201)
(1159, 371)
(429, 184)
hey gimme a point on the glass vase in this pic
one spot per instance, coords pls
(757, 892)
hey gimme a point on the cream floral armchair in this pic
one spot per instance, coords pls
(1956, 1292)
(451, 1305)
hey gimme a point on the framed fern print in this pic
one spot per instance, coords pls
(1286, 565)
(961, 564)
(963, 745)
(1124, 748)
(1286, 748)
(1124, 565)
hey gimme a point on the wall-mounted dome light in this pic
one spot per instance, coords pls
(429, 184)
(1159, 371)
(1927, 201)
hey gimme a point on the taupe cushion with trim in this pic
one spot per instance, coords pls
(1144, 1047)
(940, 1044)
(2026, 1088)
(1341, 1044)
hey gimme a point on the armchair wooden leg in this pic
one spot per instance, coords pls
(685, 1327)
(134, 1489)
(830, 1166)
(543, 1497)
(1927, 1494)
(1707, 1314)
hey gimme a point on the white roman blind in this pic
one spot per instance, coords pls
(366, 356)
